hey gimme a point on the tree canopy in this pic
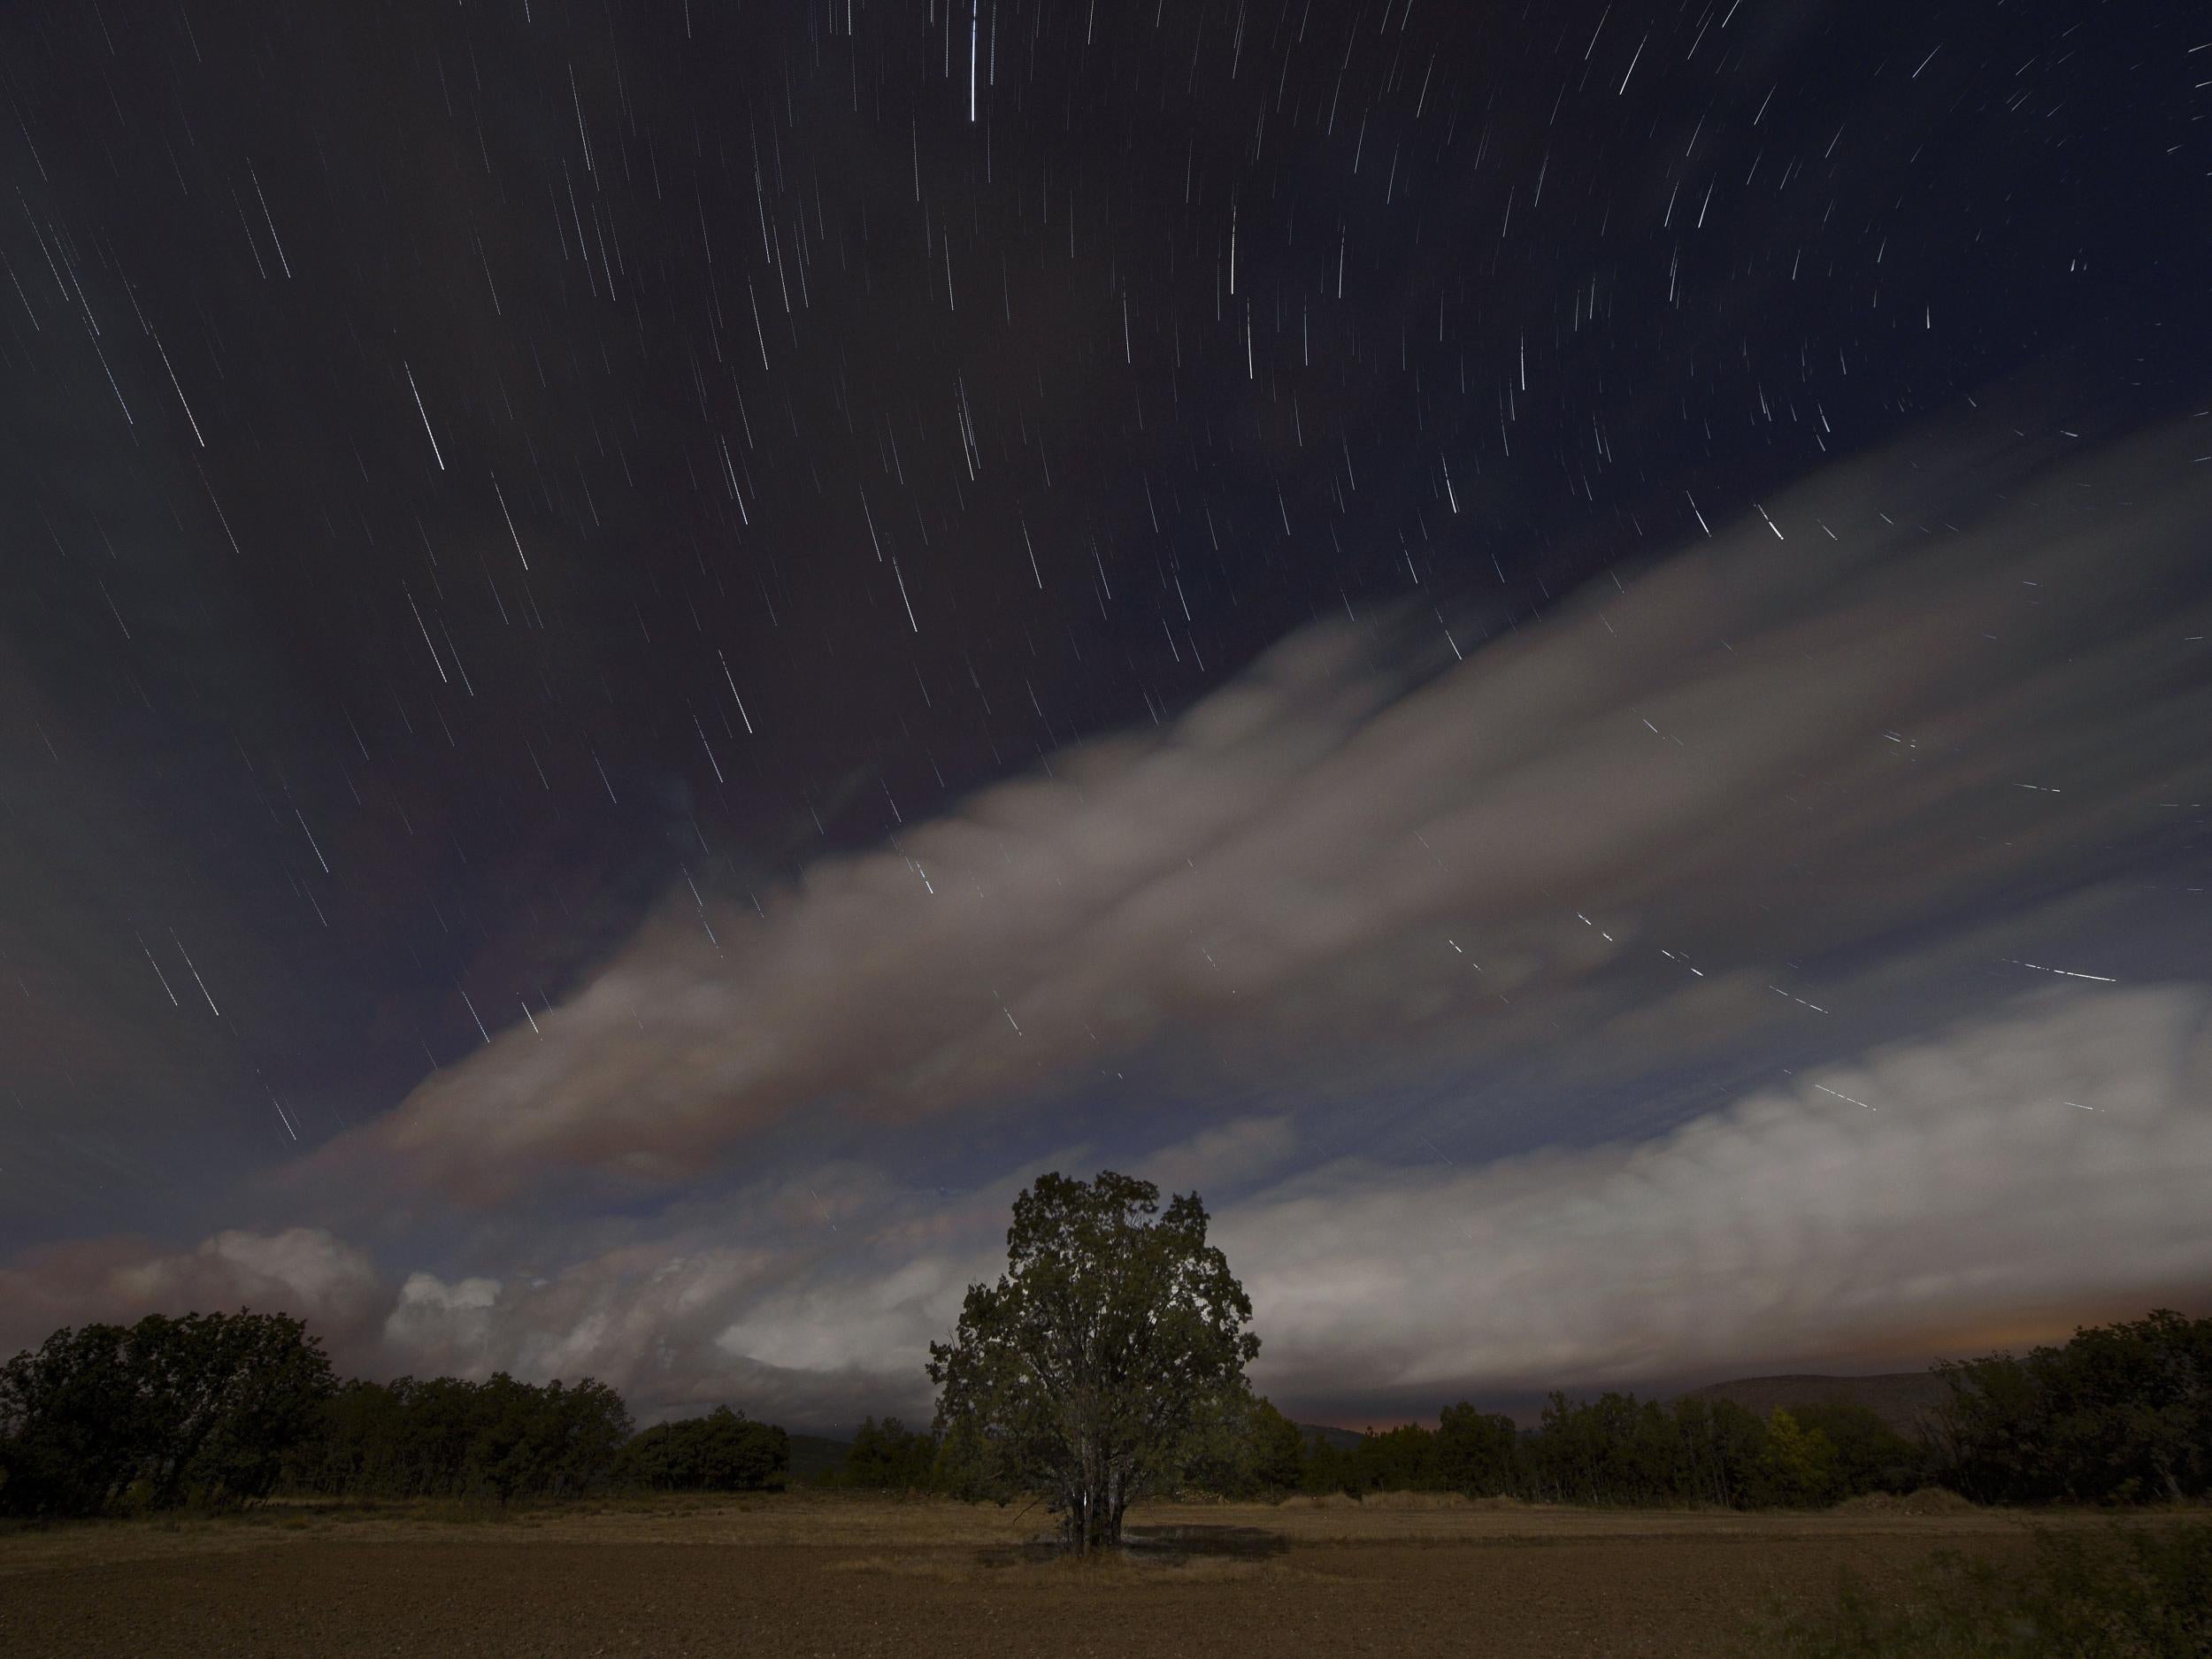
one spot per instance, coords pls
(2120, 1413)
(723, 1451)
(1108, 1357)
(203, 1408)
(444, 1436)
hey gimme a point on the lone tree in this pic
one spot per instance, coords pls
(1108, 1355)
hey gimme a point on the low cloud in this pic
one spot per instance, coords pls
(2054, 1157)
(305, 1272)
(1912, 682)
(2012, 1172)
(2049, 1158)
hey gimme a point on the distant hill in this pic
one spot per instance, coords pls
(1343, 1440)
(1901, 1399)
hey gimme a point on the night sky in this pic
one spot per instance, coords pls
(650, 652)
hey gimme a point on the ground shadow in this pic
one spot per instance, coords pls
(1165, 1546)
(1182, 1543)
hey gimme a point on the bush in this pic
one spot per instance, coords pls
(723, 1451)
(2144, 1593)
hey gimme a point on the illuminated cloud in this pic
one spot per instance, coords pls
(303, 1272)
(2047, 1159)
(2023, 1166)
(1910, 681)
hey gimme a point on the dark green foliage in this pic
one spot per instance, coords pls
(1241, 1448)
(968, 1467)
(1403, 1459)
(548, 1441)
(1325, 1469)
(2131, 1593)
(1109, 1363)
(1274, 1451)
(888, 1457)
(1800, 1465)
(1615, 1450)
(72, 1428)
(222, 1409)
(722, 1451)
(891, 1457)
(1609, 1450)
(1108, 1358)
(1722, 1444)
(2119, 1414)
(1868, 1454)
(199, 1409)
(1476, 1452)
(499, 1440)
(816, 1458)
(1612, 1450)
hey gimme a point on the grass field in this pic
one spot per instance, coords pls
(808, 1573)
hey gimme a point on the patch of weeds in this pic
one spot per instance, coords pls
(2127, 1593)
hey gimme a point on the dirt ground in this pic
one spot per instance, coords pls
(803, 1574)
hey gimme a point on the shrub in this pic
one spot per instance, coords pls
(2142, 1593)
(723, 1451)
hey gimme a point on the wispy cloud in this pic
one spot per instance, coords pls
(1913, 680)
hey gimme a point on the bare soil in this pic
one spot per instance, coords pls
(808, 1575)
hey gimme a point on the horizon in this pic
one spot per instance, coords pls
(652, 659)
(1525, 1408)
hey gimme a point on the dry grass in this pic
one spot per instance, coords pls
(1927, 1500)
(1397, 1500)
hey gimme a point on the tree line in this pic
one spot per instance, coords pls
(1614, 1450)
(2118, 1414)
(219, 1409)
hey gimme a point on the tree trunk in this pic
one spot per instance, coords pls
(1096, 1498)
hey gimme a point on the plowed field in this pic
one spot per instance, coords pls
(803, 1575)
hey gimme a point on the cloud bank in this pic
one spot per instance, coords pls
(2027, 1166)
(1912, 682)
